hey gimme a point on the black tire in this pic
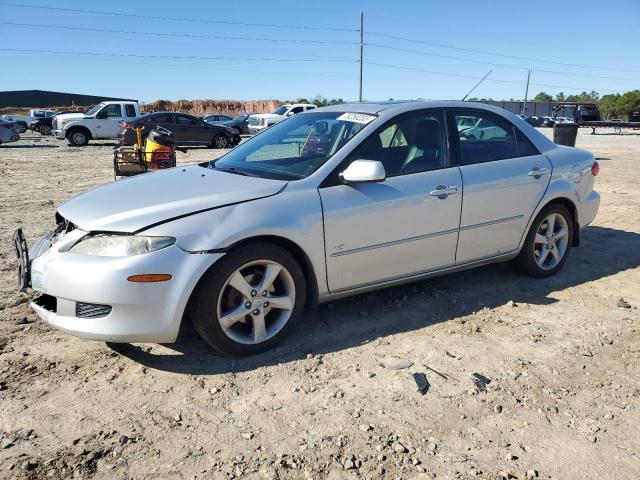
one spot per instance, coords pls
(526, 262)
(44, 130)
(21, 127)
(78, 137)
(220, 141)
(203, 306)
(237, 130)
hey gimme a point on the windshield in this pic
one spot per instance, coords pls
(295, 148)
(95, 109)
(241, 117)
(280, 111)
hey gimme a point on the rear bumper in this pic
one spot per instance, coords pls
(589, 209)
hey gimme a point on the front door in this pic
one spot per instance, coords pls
(504, 179)
(405, 225)
(107, 121)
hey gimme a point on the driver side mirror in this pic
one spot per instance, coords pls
(290, 113)
(362, 171)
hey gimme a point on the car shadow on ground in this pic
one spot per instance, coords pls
(357, 320)
(7, 146)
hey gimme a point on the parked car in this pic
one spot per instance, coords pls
(260, 121)
(8, 131)
(240, 123)
(101, 122)
(22, 121)
(534, 121)
(44, 124)
(186, 129)
(547, 122)
(214, 118)
(243, 243)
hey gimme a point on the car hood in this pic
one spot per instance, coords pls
(139, 202)
(69, 116)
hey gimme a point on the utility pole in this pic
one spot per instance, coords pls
(526, 94)
(361, 53)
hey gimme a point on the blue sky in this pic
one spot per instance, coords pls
(444, 48)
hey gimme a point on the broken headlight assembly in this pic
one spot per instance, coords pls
(105, 245)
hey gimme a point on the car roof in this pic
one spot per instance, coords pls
(391, 108)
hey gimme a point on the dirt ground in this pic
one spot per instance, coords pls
(561, 359)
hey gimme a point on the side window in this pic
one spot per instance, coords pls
(485, 138)
(184, 120)
(130, 110)
(162, 119)
(296, 110)
(415, 143)
(310, 107)
(525, 147)
(113, 111)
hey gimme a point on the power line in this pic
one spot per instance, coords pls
(517, 67)
(181, 35)
(181, 57)
(484, 52)
(461, 75)
(178, 19)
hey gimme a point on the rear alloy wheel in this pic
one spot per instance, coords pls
(45, 130)
(220, 141)
(547, 244)
(78, 138)
(21, 127)
(250, 300)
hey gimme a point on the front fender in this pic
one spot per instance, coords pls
(294, 215)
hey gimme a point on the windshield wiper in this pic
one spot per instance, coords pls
(231, 170)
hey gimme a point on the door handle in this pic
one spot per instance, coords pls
(443, 191)
(538, 172)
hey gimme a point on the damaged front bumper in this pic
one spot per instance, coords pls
(92, 297)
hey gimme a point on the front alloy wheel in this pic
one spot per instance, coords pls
(249, 299)
(45, 130)
(78, 138)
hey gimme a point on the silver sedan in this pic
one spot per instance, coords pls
(325, 204)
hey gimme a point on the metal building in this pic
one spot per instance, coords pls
(44, 98)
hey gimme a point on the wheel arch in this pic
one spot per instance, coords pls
(79, 127)
(573, 210)
(298, 253)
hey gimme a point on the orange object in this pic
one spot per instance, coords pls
(150, 278)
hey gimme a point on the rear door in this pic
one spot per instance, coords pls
(504, 178)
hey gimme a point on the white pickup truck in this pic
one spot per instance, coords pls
(23, 121)
(260, 121)
(101, 122)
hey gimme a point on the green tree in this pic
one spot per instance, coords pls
(543, 97)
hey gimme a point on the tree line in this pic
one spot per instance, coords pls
(616, 105)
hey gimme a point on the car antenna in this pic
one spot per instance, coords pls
(476, 85)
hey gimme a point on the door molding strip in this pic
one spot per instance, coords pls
(423, 237)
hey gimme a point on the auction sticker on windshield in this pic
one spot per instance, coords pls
(363, 118)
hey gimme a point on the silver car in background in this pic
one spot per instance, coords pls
(8, 132)
(326, 204)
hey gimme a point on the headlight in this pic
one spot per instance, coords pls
(61, 122)
(120, 245)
